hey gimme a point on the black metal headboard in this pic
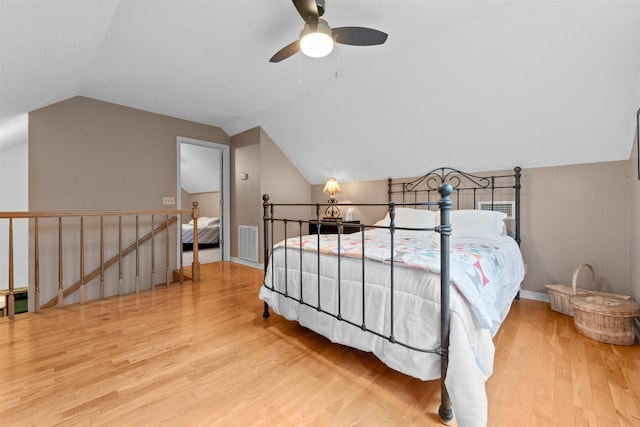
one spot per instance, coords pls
(468, 190)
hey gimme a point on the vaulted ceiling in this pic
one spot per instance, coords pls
(476, 85)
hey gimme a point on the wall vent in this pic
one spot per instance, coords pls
(508, 207)
(248, 243)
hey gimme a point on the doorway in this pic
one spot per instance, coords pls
(203, 176)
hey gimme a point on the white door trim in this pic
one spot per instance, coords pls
(225, 230)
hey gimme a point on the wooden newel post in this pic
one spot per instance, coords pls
(195, 266)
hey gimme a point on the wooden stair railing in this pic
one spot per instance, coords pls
(172, 217)
(105, 265)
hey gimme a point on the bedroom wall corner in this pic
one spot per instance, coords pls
(283, 182)
(258, 167)
(245, 193)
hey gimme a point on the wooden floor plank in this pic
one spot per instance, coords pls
(201, 354)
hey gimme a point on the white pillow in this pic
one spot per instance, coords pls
(411, 218)
(477, 224)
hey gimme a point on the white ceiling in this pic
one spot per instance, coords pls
(475, 85)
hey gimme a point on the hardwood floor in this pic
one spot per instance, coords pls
(201, 354)
(205, 256)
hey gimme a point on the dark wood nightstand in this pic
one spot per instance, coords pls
(330, 228)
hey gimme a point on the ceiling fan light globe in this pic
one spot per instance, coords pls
(316, 45)
(319, 43)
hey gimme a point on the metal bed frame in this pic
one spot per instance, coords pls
(443, 188)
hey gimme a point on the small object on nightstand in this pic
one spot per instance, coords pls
(349, 215)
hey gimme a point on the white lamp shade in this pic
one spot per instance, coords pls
(331, 187)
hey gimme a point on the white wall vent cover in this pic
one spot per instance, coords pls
(508, 207)
(248, 243)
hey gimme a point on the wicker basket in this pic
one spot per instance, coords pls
(560, 294)
(605, 318)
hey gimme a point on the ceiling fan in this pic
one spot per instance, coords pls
(317, 38)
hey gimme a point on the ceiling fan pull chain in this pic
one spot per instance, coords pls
(300, 69)
(335, 58)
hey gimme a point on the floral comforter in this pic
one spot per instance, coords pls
(477, 267)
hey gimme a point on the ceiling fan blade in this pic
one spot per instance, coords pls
(287, 51)
(308, 10)
(359, 36)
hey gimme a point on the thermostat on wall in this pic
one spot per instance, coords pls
(244, 175)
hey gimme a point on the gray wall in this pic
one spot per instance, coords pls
(86, 154)
(570, 215)
(89, 154)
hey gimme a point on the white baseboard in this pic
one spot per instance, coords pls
(536, 296)
(248, 263)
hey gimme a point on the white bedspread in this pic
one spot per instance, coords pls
(416, 315)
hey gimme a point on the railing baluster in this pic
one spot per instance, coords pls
(101, 257)
(60, 288)
(120, 284)
(82, 290)
(11, 297)
(153, 254)
(137, 285)
(36, 266)
(166, 249)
